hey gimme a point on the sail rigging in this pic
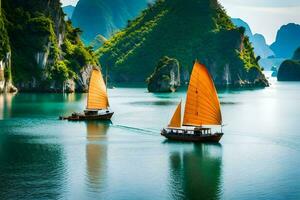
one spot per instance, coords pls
(176, 119)
(202, 103)
(97, 96)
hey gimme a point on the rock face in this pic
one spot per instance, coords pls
(166, 76)
(186, 31)
(287, 41)
(289, 71)
(47, 54)
(5, 58)
(6, 85)
(104, 17)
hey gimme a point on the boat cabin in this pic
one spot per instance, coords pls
(202, 131)
(195, 131)
(91, 112)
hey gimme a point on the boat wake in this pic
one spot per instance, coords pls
(139, 130)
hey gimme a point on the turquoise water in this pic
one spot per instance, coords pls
(44, 158)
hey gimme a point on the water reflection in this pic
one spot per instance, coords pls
(151, 103)
(72, 97)
(29, 170)
(5, 105)
(195, 171)
(96, 154)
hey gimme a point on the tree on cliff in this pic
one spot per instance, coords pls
(185, 30)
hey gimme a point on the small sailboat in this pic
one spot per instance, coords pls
(97, 102)
(202, 111)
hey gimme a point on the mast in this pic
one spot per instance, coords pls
(106, 77)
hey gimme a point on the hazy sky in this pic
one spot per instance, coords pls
(263, 16)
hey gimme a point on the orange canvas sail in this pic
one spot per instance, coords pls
(202, 103)
(97, 96)
(176, 119)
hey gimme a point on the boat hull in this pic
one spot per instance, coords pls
(202, 138)
(82, 117)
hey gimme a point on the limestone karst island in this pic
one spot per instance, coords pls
(149, 99)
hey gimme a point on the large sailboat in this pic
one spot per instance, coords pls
(202, 111)
(97, 101)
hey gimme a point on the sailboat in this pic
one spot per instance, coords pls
(202, 111)
(97, 102)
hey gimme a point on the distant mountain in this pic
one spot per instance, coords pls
(104, 17)
(296, 55)
(260, 46)
(68, 10)
(185, 30)
(241, 23)
(287, 40)
(258, 41)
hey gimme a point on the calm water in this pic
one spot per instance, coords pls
(43, 158)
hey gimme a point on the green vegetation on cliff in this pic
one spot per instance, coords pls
(166, 76)
(185, 30)
(46, 50)
(4, 41)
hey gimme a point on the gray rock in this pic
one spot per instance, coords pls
(166, 76)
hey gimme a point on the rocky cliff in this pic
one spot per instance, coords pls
(47, 54)
(166, 76)
(5, 57)
(105, 17)
(185, 30)
(289, 70)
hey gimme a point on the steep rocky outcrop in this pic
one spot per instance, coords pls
(289, 70)
(105, 17)
(184, 30)
(47, 54)
(287, 41)
(5, 57)
(166, 76)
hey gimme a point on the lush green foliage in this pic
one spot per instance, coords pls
(4, 41)
(44, 47)
(185, 30)
(163, 63)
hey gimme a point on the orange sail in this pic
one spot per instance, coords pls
(97, 96)
(202, 103)
(176, 119)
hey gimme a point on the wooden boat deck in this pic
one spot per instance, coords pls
(191, 135)
(83, 117)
